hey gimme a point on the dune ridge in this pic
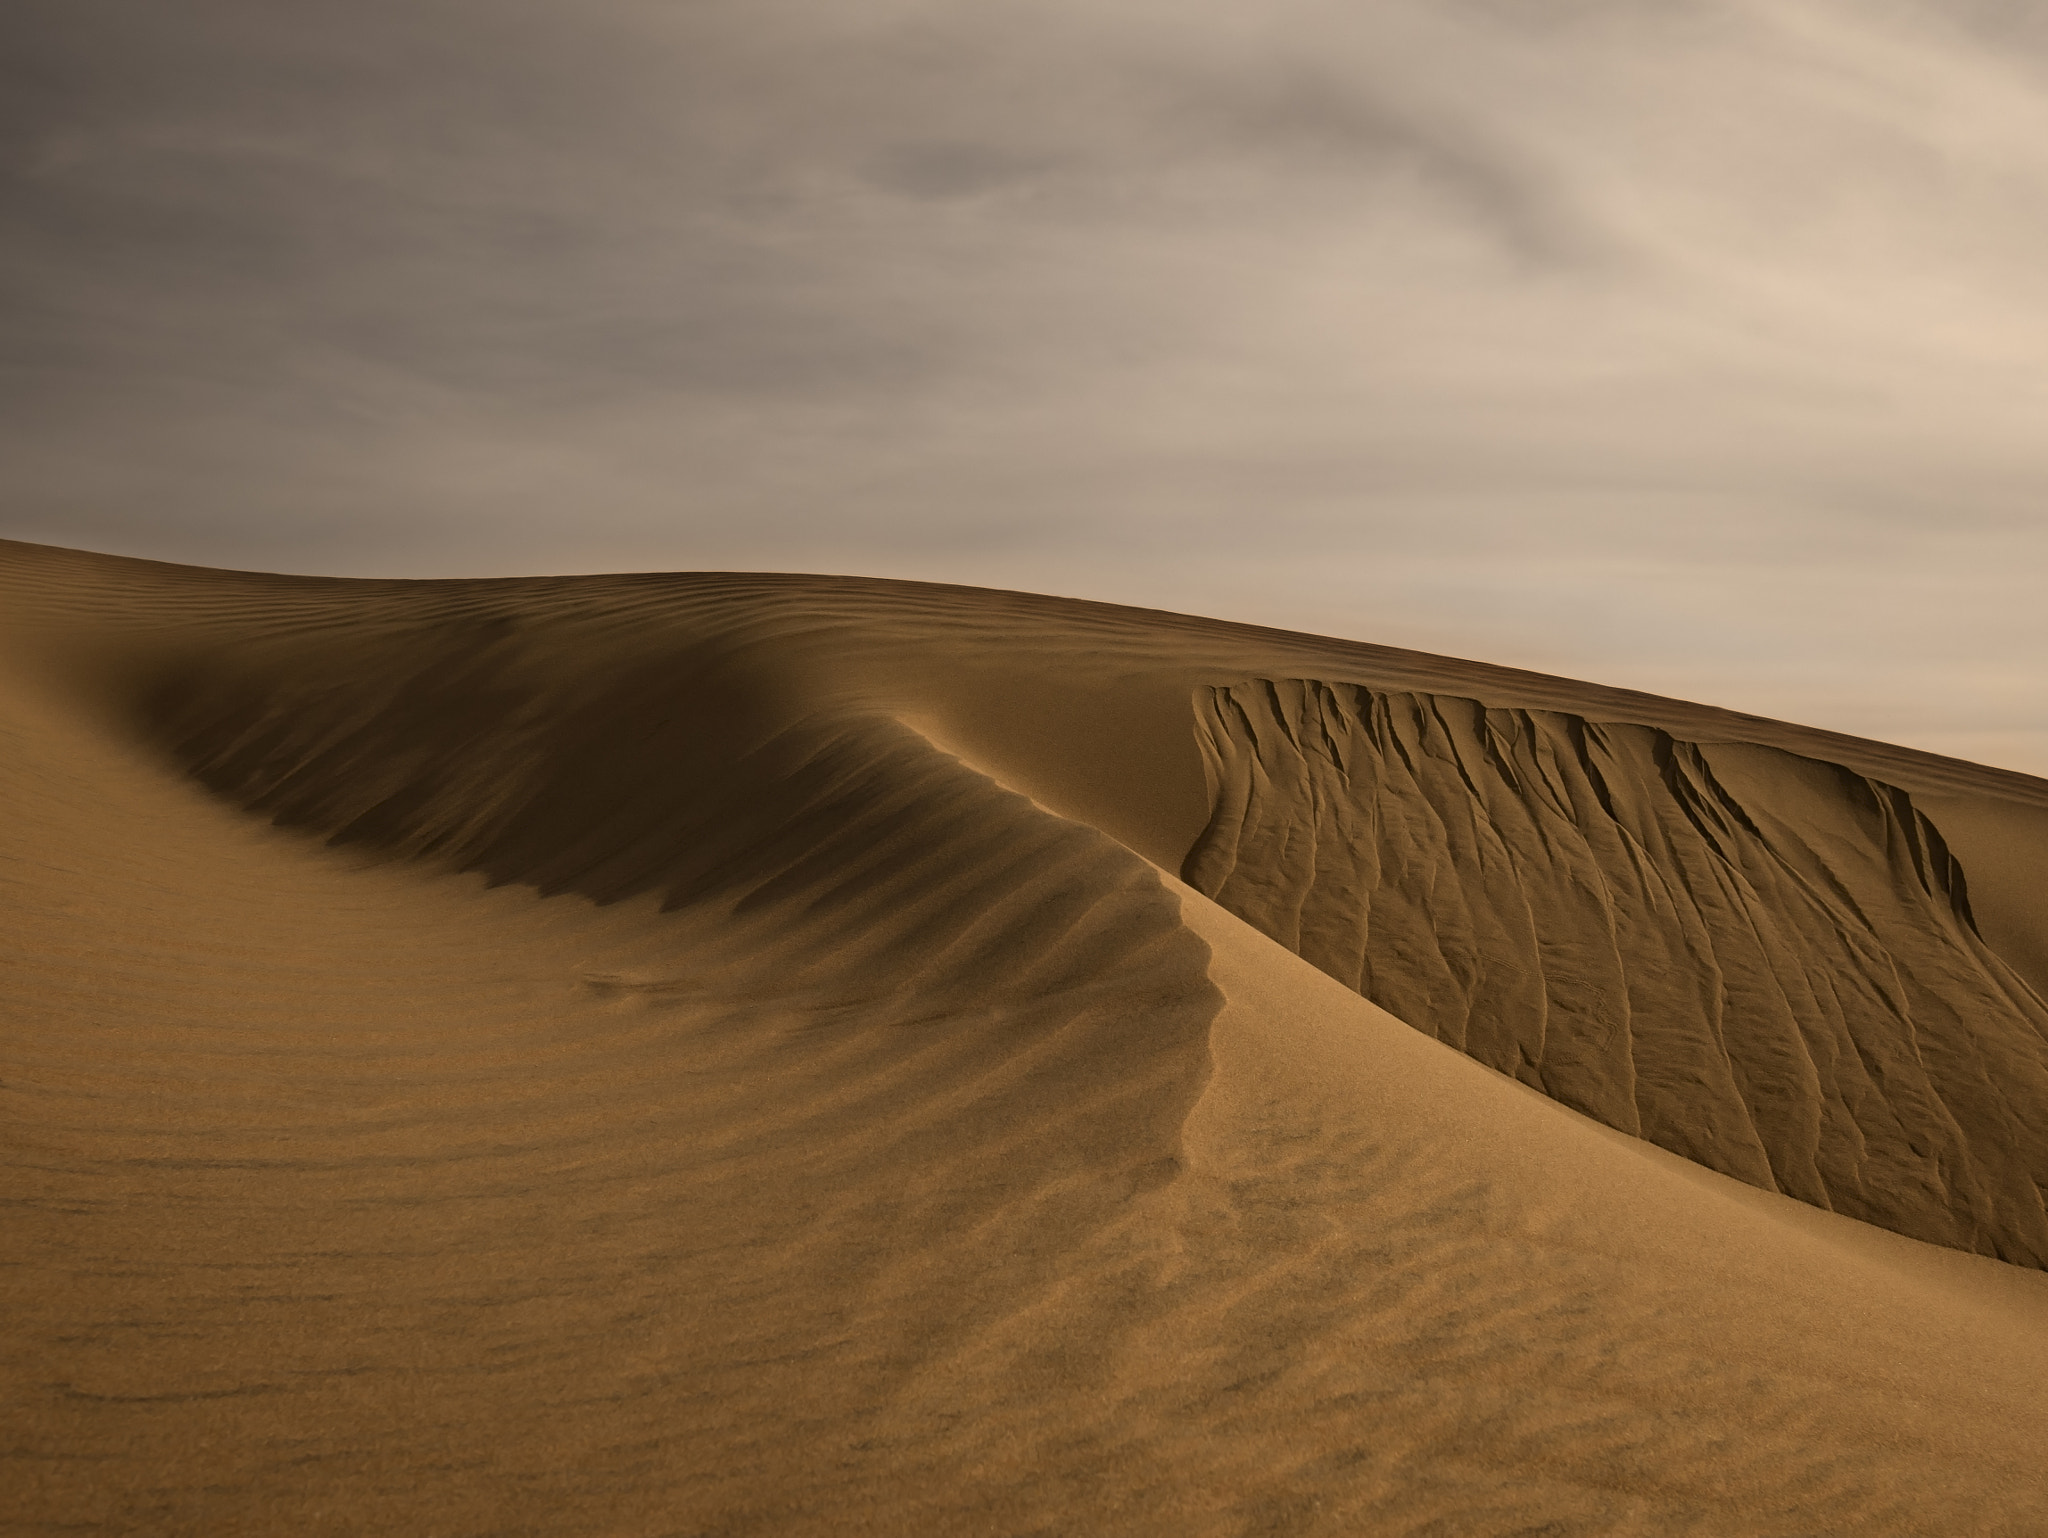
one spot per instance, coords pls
(728, 1054)
(352, 1193)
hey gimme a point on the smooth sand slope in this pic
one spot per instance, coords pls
(737, 1055)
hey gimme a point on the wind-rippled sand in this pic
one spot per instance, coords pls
(750, 1054)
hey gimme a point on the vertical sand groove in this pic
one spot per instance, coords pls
(1759, 961)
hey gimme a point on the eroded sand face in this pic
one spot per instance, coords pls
(647, 1082)
(1761, 961)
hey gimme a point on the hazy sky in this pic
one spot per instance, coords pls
(1696, 347)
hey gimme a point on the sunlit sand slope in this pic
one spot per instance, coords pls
(714, 1055)
(1762, 962)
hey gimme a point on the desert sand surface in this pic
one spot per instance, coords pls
(731, 1054)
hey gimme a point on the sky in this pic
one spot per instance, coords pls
(1696, 346)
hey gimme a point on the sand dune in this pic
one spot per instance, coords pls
(720, 1054)
(1763, 962)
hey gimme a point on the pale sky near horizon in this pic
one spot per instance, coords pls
(1696, 346)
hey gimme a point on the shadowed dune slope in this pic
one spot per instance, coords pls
(1758, 961)
(725, 1055)
(355, 1195)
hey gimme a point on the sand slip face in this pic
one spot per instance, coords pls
(1763, 962)
(808, 1134)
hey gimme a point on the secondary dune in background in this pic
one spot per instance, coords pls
(720, 1054)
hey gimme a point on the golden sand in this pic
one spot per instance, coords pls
(751, 1054)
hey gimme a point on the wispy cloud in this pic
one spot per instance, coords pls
(1691, 346)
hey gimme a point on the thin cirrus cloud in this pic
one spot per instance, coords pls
(1690, 346)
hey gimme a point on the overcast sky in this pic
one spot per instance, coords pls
(1697, 346)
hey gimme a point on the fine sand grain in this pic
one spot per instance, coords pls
(748, 1054)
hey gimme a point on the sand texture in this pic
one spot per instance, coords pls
(1762, 962)
(736, 1054)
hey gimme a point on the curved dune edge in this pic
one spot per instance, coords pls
(976, 1178)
